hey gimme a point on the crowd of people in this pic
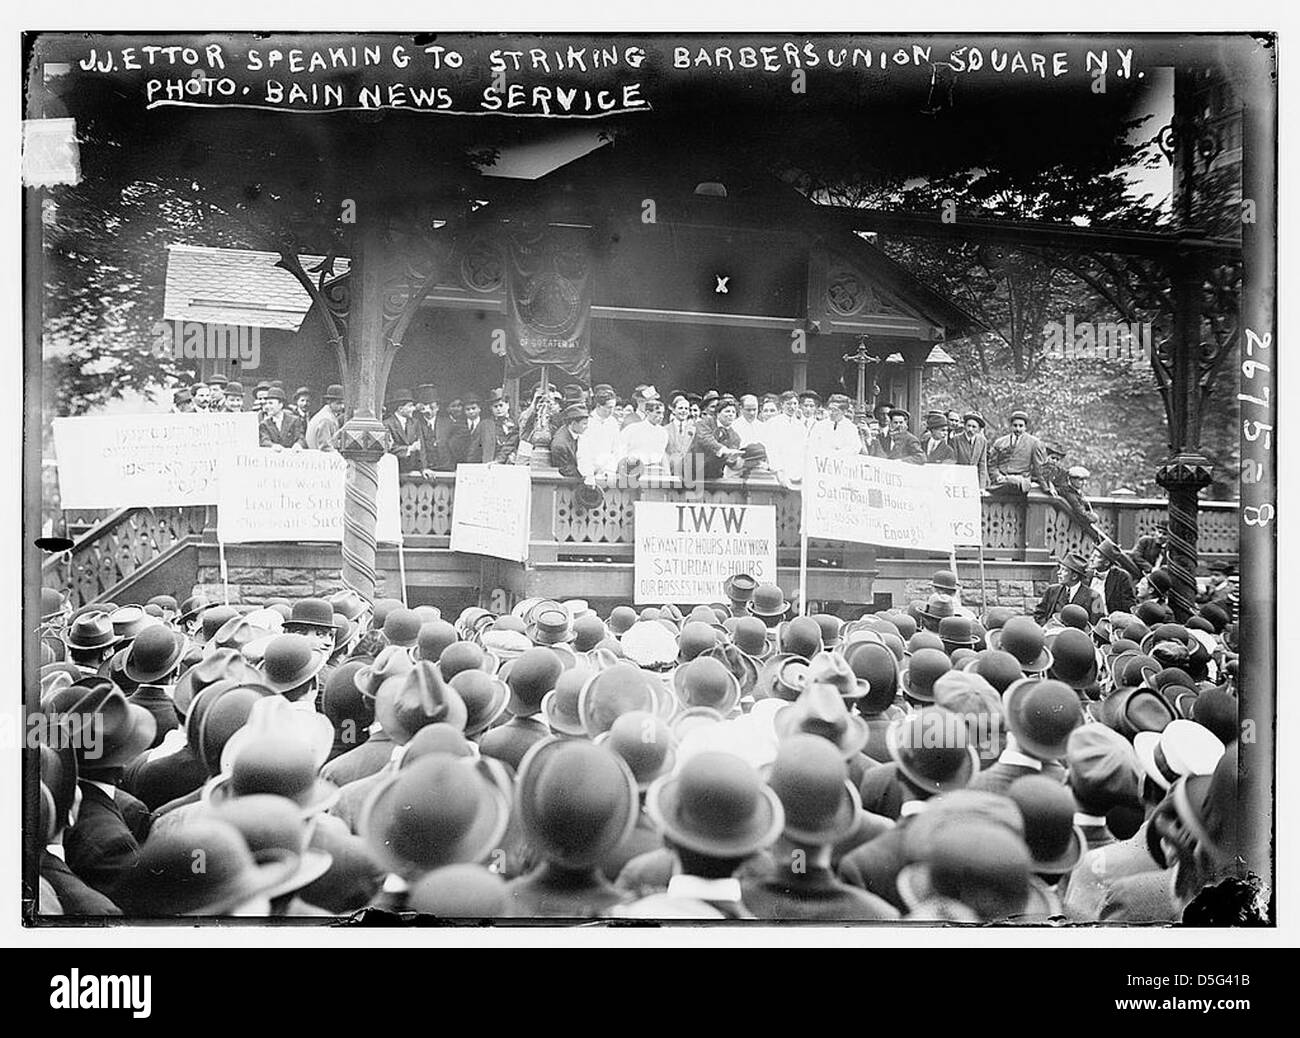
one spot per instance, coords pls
(595, 434)
(734, 760)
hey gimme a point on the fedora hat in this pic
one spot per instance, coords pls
(783, 676)
(1130, 711)
(739, 587)
(1182, 748)
(610, 693)
(1024, 639)
(820, 711)
(154, 654)
(128, 621)
(272, 825)
(769, 601)
(166, 883)
(1103, 769)
(276, 763)
(933, 750)
(236, 633)
(972, 698)
(314, 614)
(1074, 660)
(811, 781)
(99, 717)
(90, 631)
(216, 714)
(347, 602)
(1055, 843)
(560, 705)
(716, 804)
(392, 661)
(1074, 561)
(484, 697)
(743, 667)
(924, 668)
(706, 681)
(645, 743)
(650, 644)
(379, 612)
(290, 662)
(1041, 714)
(1133, 668)
(1208, 807)
(193, 606)
(408, 702)
(576, 801)
(1170, 633)
(440, 810)
(830, 668)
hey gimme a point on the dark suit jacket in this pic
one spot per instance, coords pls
(1055, 597)
(813, 894)
(1120, 596)
(365, 760)
(710, 440)
(510, 741)
(997, 778)
(156, 782)
(294, 431)
(976, 454)
(101, 848)
(903, 447)
(473, 448)
(437, 442)
(564, 453)
(502, 441)
(155, 699)
(400, 439)
(75, 897)
(874, 867)
(941, 455)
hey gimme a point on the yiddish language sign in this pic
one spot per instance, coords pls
(874, 501)
(152, 460)
(685, 551)
(270, 495)
(491, 511)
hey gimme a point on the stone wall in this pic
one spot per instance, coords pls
(1018, 594)
(256, 585)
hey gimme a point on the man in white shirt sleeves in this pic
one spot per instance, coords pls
(836, 433)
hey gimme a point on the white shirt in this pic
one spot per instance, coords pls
(827, 437)
(1009, 756)
(784, 439)
(598, 446)
(749, 432)
(701, 889)
(1099, 586)
(643, 440)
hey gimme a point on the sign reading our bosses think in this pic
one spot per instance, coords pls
(685, 551)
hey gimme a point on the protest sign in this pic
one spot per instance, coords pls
(388, 524)
(120, 461)
(960, 489)
(875, 501)
(684, 552)
(490, 513)
(270, 495)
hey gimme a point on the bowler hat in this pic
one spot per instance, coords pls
(811, 780)
(400, 397)
(922, 671)
(1023, 638)
(214, 618)
(1055, 843)
(464, 656)
(315, 614)
(937, 608)
(750, 636)
(1041, 715)
(1074, 659)
(166, 883)
(588, 631)
(438, 811)
(769, 601)
(1216, 709)
(706, 681)
(1075, 616)
(645, 743)
(874, 664)
(610, 693)
(272, 762)
(461, 891)
(560, 705)
(933, 749)
(696, 638)
(955, 632)
(402, 627)
(290, 662)
(434, 637)
(529, 677)
(801, 636)
(576, 801)
(379, 612)
(485, 698)
(155, 653)
(334, 391)
(716, 804)
(831, 627)
(408, 702)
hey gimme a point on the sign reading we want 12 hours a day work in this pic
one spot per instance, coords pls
(122, 461)
(491, 511)
(875, 501)
(684, 552)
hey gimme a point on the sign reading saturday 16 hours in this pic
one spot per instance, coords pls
(684, 552)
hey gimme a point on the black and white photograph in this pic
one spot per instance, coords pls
(647, 480)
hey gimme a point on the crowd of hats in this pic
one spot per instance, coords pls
(730, 760)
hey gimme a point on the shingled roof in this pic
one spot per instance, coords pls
(236, 286)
